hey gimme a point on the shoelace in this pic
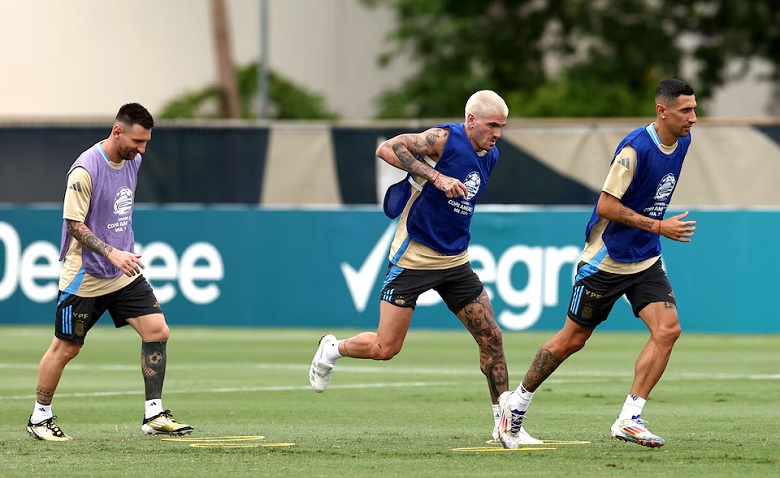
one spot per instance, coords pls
(164, 414)
(55, 430)
(640, 421)
(516, 423)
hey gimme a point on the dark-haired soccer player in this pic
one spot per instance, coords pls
(101, 271)
(622, 256)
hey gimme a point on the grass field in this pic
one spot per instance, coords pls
(718, 406)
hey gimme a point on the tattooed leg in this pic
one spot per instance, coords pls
(570, 339)
(544, 364)
(153, 361)
(44, 395)
(478, 319)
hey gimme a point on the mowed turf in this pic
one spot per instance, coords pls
(718, 406)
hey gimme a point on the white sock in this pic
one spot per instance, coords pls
(40, 413)
(331, 352)
(496, 414)
(153, 407)
(520, 399)
(632, 408)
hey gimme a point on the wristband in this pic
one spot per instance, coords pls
(659, 227)
(435, 177)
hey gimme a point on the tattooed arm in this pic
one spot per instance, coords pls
(127, 262)
(87, 238)
(403, 150)
(609, 207)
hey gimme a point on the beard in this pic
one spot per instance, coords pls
(129, 155)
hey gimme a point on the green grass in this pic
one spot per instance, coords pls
(718, 406)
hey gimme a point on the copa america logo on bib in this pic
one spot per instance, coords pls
(472, 183)
(665, 187)
(123, 201)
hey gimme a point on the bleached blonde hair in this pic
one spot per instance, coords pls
(486, 103)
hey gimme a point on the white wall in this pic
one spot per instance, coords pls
(84, 58)
(748, 97)
(87, 57)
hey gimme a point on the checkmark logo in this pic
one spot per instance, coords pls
(361, 282)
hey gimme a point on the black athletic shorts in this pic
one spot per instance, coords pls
(458, 286)
(595, 292)
(76, 315)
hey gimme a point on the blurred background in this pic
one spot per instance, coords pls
(365, 59)
(258, 199)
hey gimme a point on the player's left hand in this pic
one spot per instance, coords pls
(678, 230)
(451, 186)
(127, 262)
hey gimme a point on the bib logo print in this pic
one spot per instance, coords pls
(472, 183)
(123, 201)
(665, 187)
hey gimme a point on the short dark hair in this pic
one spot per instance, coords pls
(671, 89)
(133, 113)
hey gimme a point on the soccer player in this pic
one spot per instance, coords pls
(449, 166)
(100, 271)
(622, 256)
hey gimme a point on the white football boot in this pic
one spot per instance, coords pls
(320, 371)
(634, 430)
(511, 433)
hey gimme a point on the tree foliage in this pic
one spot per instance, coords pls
(569, 57)
(732, 30)
(286, 100)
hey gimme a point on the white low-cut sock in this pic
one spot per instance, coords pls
(496, 414)
(331, 352)
(520, 399)
(632, 408)
(152, 407)
(40, 413)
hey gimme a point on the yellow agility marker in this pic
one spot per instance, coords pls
(573, 442)
(493, 448)
(206, 439)
(548, 442)
(241, 445)
(227, 442)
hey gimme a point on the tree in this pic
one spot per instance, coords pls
(233, 96)
(287, 100)
(732, 31)
(568, 57)
(228, 93)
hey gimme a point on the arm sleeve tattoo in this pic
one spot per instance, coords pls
(408, 148)
(87, 238)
